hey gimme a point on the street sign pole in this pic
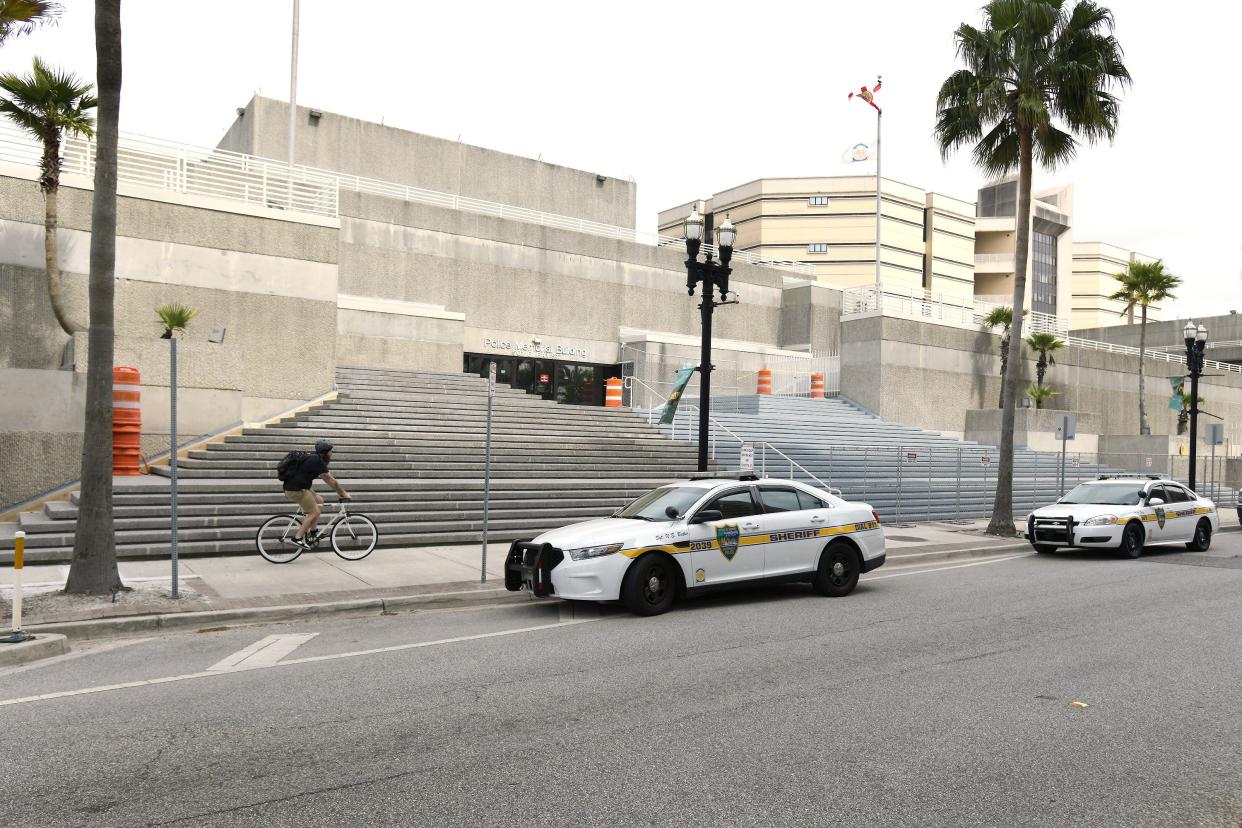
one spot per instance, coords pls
(1066, 429)
(487, 463)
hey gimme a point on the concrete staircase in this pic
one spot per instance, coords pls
(410, 449)
(905, 473)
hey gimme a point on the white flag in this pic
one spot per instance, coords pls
(856, 154)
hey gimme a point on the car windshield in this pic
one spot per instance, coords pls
(1106, 494)
(654, 504)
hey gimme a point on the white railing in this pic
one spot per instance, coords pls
(960, 311)
(968, 312)
(262, 182)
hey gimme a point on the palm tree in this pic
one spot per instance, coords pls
(1039, 393)
(20, 17)
(1034, 63)
(93, 569)
(1001, 317)
(1143, 284)
(49, 103)
(1044, 344)
(175, 318)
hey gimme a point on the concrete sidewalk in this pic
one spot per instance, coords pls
(434, 576)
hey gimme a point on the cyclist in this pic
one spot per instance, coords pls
(298, 488)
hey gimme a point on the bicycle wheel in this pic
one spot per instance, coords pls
(354, 537)
(275, 539)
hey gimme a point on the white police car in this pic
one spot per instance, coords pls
(699, 534)
(1125, 512)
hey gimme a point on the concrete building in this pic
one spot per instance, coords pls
(1095, 268)
(1050, 256)
(927, 239)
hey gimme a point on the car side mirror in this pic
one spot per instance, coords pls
(672, 513)
(1155, 501)
(707, 516)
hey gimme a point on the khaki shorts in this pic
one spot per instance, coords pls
(304, 498)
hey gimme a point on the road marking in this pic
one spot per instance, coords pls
(954, 566)
(215, 674)
(263, 653)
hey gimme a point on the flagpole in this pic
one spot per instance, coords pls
(878, 204)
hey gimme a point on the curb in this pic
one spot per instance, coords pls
(215, 620)
(43, 645)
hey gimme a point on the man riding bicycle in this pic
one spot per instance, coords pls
(298, 488)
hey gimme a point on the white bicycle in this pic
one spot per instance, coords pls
(353, 536)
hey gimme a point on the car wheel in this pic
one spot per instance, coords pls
(1132, 540)
(1044, 548)
(650, 586)
(839, 568)
(1203, 537)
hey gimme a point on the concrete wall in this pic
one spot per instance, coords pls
(356, 147)
(927, 375)
(271, 283)
(41, 416)
(811, 317)
(1168, 334)
(514, 281)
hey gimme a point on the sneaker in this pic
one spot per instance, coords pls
(302, 542)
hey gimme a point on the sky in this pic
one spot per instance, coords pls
(689, 99)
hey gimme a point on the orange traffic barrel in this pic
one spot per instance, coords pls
(126, 421)
(612, 393)
(817, 386)
(765, 381)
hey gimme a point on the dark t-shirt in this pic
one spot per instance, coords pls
(311, 468)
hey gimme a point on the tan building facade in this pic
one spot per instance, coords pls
(1095, 268)
(926, 239)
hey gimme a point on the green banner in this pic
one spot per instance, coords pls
(1178, 399)
(679, 386)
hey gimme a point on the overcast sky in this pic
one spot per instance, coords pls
(691, 98)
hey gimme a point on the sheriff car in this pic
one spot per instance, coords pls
(700, 534)
(1125, 512)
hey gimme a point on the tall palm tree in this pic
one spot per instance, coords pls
(93, 569)
(1144, 284)
(1001, 317)
(1044, 344)
(50, 103)
(19, 17)
(1034, 64)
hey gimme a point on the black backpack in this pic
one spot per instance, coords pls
(289, 465)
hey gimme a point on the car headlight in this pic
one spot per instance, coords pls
(1100, 520)
(587, 552)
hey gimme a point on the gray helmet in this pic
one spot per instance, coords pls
(323, 446)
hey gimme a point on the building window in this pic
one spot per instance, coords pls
(817, 247)
(1044, 273)
(998, 200)
(819, 201)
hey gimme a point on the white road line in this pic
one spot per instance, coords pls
(263, 653)
(945, 568)
(210, 674)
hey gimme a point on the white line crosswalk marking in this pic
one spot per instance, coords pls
(263, 653)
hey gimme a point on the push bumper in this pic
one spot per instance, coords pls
(529, 566)
(1065, 531)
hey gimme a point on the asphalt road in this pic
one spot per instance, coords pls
(941, 695)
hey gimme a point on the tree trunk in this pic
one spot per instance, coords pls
(1041, 370)
(1002, 508)
(51, 258)
(93, 569)
(1144, 426)
(1000, 403)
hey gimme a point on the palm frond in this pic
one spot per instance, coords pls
(20, 17)
(174, 317)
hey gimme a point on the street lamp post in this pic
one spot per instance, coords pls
(1196, 341)
(713, 275)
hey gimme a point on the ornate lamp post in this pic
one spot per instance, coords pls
(713, 275)
(1196, 341)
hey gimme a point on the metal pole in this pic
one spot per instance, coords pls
(1062, 481)
(172, 458)
(898, 495)
(957, 510)
(878, 200)
(1196, 362)
(930, 462)
(705, 361)
(487, 464)
(293, 89)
